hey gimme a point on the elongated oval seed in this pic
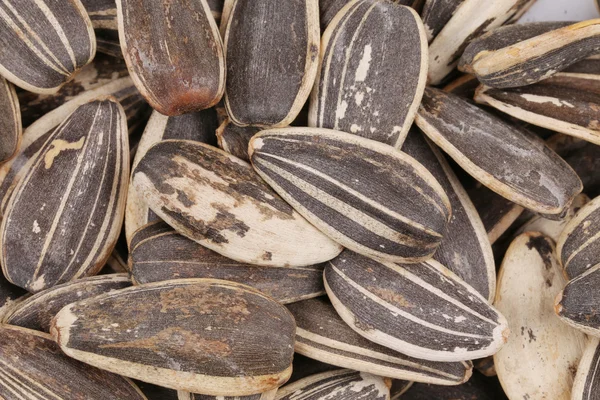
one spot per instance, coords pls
(343, 384)
(422, 310)
(44, 43)
(37, 311)
(577, 304)
(69, 232)
(234, 139)
(507, 159)
(587, 380)
(539, 358)
(217, 200)
(365, 195)
(33, 367)
(168, 255)
(370, 82)
(466, 249)
(197, 335)
(436, 14)
(328, 9)
(11, 129)
(276, 68)
(270, 395)
(322, 335)
(175, 70)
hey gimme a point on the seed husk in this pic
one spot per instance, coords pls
(466, 249)
(43, 46)
(539, 358)
(37, 311)
(388, 303)
(270, 395)
(33, 367)
(506, 158)
(370, 83)
(168, 255)
(236, 341)
(587, 380)
(10, 296)
(290, 36)
(239, 217)
(341, 384)
(187, 71)
(365, 195)
(234, 139)
(11, 128)
(68, 233)
(436, 15)
(322, 335)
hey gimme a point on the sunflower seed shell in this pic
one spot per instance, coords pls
(11, 129)
(436, 15)
(587, 380)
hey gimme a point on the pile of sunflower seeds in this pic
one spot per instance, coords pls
(299, 200)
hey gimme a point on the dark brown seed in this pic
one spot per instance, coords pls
(507, 159)
(10, 295)
(33, 367)
(177, 67)
(68, 233)
(197, 335)
(587, 380)
(269, 76)
(370, 83)
(436, 15)
(11, 129)
(234, 139)
(37, 311)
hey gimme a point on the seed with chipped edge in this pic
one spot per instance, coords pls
(11, 129)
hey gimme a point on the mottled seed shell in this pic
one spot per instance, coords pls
(11, 129)
(465, 249)
(197, 335)
(507, 159)
(234, 139)
(10, 296)
(177, 67)
(217, 200)
(343, 384)
(370, 82)
(270, 71)
(270, 395)
(69, 232)
(577, 304)
(198, 126)
(587, 380)
(167, 255)
(44, 43)
(322, 335)
(542, 353)
(33, 367)
(37, 311)
(422, 310)
(365, 195)
(436, 15)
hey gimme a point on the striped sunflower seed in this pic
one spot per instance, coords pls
(198, 126)
(68, 233)
(197, 335)
(234, 139)
(531, 60)
(44, 43)
(370, 83)
(322, 335)
(33, 367)
(241, 218)
(37, 311)
(587, 380)
(436, 14)
(422, 310)
(166, 255)
(11, 129)
(10, 296)
(270, 395)
(175, 70)
(466, 250)
(343, 384)
(365, 195)
(254, 62)
(507, 159)
(538, 360)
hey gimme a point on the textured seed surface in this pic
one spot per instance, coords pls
(370, 83)
(577, 304)
(365, 195)
(436, 14)
(234, 139)
(321, 334)
(587, 380)
(198, 335)
(11, 129)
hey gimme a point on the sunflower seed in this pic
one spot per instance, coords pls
(11, 129)
(370, 83)
(197, 335)
(365, 195)
(37, 311)
(10, 296)
(587, 380)
(399, 388)
(69, 232)
(33, 367)
(507, 159)
(175, 70)
(199, 126)
(466, 250)
(270, 395)
(44, 43)
(529, 279)
(343, 384)
(321, 334)
(234, 139)
(436, 15)
(388, 303)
